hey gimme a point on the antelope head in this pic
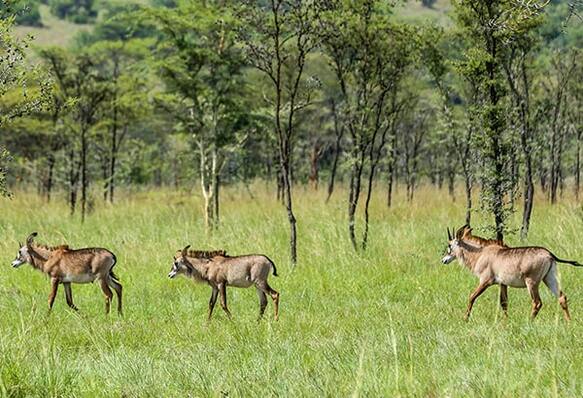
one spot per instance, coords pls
(181, 264)
(452, 250)
(23, 255)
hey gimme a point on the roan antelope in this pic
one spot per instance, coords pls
(495, 263)
(65, 265)
(220, 270)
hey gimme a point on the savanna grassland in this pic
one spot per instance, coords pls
(386, 322)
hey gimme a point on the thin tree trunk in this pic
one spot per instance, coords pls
(216, 187)
(339, 130)
(578, 165)
(49, 184)
(391, 167)
(72, 182)
(84, 174)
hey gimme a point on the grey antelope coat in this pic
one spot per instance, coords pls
(220, 270)
(495, 263)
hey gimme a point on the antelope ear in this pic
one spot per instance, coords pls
(30, 238)
(185, 250)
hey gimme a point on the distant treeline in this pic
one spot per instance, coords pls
(207, 93)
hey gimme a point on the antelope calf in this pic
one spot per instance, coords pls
(495, 263)
(219, 271)
(65, 265)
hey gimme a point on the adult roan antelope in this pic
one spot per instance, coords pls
(65, 265)
(220, 270)
(494, 263)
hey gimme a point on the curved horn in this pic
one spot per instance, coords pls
(30, 238)
(460, 232)
(448, 234)
(184, 251)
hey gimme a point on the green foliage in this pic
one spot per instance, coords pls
(27, 13)
(77, 11)
(22, 89)
(4, 160)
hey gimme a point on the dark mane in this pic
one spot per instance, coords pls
(53, 248)
(208, 254)
(482, 241)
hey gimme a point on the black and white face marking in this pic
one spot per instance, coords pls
(449, 255)
(21, 257)
(177, 267)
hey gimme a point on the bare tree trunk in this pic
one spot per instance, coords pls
(391, 167)
(578, 165)
(451, 183)
(49, 184)
(216, 187)
(205, 184)
(339, 130)
(112, 157)
(84, 174)
(314, 165)
(354, 194)
(72, 182)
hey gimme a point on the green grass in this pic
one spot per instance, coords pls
(387, 322)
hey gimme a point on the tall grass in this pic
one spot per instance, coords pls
(386, 322)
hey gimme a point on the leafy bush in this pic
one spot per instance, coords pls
(77, 11)
(26, 13)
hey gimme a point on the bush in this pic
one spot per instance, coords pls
(26, 13)
(77, 11)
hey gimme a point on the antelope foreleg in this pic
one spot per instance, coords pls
(212, 302)
(504, 299)
(69, 295)
(475, 294)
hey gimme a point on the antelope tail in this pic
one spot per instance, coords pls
(111, 274)
(272, 265)
(572, 262)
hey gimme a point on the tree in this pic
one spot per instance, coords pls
(279, 39)
(369, 56)
(79, 83)
(16, 76)
(201, 65)
(489, 27)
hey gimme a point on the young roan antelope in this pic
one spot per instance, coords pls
(219, 271)
(65, 265)
(495, 263)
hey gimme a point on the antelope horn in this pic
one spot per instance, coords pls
(184, 251)
(460, 232)
(448, 234)
(30, 238)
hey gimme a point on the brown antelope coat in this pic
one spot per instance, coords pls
(219, 271)
(495, 263)
(65, 266)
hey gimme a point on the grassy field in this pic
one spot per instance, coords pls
(387, 322)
